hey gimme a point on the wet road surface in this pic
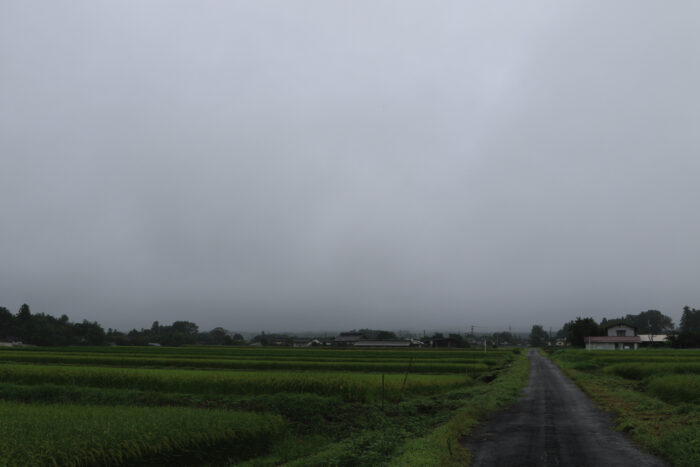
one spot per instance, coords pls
(553, 424)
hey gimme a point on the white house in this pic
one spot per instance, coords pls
(618, 337)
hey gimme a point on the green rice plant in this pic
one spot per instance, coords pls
(350, 386)
(676, 388)
(246, 364)
(70, 435)
(273, 352)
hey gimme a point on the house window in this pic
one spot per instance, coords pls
(620, 332)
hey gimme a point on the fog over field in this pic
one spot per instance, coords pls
(320, 165)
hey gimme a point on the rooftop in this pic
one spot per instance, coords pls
(613, 339)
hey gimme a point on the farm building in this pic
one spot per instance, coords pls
(348, 338)
(648, 339)
(618, 337)
(376, 343)
(306, 342)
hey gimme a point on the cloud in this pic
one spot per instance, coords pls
(267, 165)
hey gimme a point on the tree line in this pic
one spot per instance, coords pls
(47, 330)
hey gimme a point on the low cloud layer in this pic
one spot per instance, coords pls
(329, 165)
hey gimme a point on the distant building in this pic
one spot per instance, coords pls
(347, 339)
(653, 338)
(356, 339)
(619, 336)
(306, 342)
(374, 343)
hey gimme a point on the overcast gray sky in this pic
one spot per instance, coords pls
(310, 165)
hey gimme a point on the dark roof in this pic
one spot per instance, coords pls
(370, 343)
(613, 339)
(349, 338)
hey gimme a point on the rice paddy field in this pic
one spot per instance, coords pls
(82, 406)
(654, 393)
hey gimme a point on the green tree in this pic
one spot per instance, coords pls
(24, 323)
(690, 320)
(24, 314)
(7, 322)
(576, 331)
(238, 339)
(650, 322)
(538, 336)
(456, 340)
(90, 333)
(218, 336)
(385, 335)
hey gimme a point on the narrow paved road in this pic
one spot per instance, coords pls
(554, 423)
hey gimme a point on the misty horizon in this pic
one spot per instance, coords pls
(310, 166)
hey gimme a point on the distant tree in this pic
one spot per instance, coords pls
(385, 335)
(506, 338)
(272, 339)
(538, 336)
(690, 320)
(7, 322)
(457, 340)
(23, 323)
(90, 333)
(24, 315)
(562, 333)
(47, 330)
(689, 332)
(575, 331)
(185, 327)
(650, 322)
(375, 334)
(218, 336)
